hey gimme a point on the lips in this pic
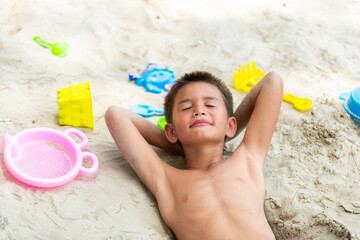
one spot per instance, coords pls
(200, 123)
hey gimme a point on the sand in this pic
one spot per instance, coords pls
(312, 172)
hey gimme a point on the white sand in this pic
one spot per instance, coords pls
(312, 171)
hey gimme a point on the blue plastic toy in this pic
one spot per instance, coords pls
(154, 79)
(352, 103)
(147, 110)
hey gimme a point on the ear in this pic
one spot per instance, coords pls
(170, 133)
(232, 126)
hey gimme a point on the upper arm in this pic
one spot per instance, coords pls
(264, 116)
(137, 151)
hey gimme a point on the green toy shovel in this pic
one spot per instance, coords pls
(59, 49)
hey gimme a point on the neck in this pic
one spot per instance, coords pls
(203, 157)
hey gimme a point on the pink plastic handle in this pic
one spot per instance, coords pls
(95, 163)
(84, 140)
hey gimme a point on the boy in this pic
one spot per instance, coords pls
(212, 198)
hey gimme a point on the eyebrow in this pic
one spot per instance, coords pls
(184, 101)
(211, 98)
(205, 98)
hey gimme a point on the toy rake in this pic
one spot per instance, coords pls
(248, 76)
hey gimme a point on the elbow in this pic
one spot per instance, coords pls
(116, 114)
(275, 82)
(275, 78)
(110, 114)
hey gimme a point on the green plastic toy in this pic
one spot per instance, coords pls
(59, 49)
(161, 123)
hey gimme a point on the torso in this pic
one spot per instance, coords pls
(224, 202)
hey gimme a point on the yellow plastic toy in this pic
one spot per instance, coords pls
(75, 106)
(248, 76)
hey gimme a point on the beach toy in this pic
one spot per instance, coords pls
(168, 86)
(148, 68)
(161, 123)
(245, 78)
(59, 49)
(301, 104)
(153, 79)
(352, 103)
(248, 76)
(147, 110)
(45, 157)
(75, 106)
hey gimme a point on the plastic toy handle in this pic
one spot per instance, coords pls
(157, 110)
(344, 96)
(301, 104)
(290, 98)
(84, 140)
(95, 164)
(42, 43)
(148, 68)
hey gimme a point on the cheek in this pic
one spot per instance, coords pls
(223, 122)
(221, 116)
(180, 124)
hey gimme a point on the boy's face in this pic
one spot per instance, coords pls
(199, 114)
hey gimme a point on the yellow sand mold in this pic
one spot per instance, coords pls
(75, 106)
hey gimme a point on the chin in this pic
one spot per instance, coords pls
(201, 138)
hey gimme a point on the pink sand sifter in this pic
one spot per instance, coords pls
(45, 157)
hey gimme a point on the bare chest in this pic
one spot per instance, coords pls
(216, 194)
(224, 200)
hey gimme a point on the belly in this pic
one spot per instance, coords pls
(217, 225)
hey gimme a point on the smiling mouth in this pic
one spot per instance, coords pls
(200, 123)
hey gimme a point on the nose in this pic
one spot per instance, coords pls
(199, 112)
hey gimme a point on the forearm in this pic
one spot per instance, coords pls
(246, 107)
(152, 133)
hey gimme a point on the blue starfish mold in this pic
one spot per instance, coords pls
(154, 79)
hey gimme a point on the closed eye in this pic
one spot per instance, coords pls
(210, 105)
(184, 109)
